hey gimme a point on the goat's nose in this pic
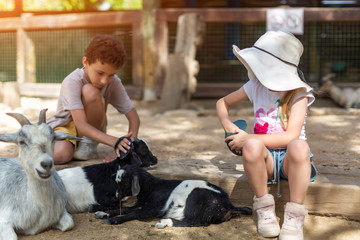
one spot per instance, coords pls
(46, 165)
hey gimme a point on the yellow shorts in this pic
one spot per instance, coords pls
(69, 129)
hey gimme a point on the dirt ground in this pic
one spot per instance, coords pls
(194, 138)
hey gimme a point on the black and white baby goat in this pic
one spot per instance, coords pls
(92, 186)
(188, 203)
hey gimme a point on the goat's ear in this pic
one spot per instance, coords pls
(65, 136)
(135, 186)
(135, 159)
(8, 137)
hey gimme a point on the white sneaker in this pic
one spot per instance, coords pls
(294, 216)
(267, 224)
(86, 150)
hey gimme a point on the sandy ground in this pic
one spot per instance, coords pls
(194, 138)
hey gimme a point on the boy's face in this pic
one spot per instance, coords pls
(99, 74)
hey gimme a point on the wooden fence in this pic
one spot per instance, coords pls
(163, 17)
(72, 21)
(253, 15)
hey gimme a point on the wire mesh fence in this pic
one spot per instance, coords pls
(7, 56)
(57, 53)
(329, 47)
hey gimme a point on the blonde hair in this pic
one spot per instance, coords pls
(285, 104)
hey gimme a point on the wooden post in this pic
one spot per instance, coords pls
(149, 56)
(137, 61)
(21, 55)
(180, 82)
(162, 46)
(11, 90)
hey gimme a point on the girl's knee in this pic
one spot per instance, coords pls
(252, 149)
(298, 150)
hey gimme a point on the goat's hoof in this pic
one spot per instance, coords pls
(164, 223)
(95, 208)
(106, 221)
(101, 215)
(160, 225)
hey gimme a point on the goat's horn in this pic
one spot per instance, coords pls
(20, 118)
(42, 116)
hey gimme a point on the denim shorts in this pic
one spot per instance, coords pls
(278, 156)
(279, 173)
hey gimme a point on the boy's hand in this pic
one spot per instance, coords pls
(123, 145)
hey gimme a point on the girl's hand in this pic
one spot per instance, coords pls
(232, 128)
(237, 140)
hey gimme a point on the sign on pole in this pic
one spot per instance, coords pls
(285, 19)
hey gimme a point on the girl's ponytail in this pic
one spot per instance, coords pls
(285, 104)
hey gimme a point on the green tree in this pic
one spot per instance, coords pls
(125, 4)
(80, 5)
(7, 5)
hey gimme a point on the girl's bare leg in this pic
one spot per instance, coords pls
(298, 169)
(258, 165)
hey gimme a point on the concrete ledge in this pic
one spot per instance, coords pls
(328, 195)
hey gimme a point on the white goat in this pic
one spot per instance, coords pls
(32, 195)
(346, 97)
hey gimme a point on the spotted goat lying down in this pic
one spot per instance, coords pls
(345, 97)
(32, 195)
(93, 187)
(188, 203)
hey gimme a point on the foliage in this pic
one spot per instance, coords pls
(80, 5)
(7, 5)
(125, 4)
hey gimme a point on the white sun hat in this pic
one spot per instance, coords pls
(274, 60)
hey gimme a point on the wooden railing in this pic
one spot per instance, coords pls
(134, 19)
(72, 21)
(166, 16)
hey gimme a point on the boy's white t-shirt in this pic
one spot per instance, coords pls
(266, 107)
(114, 93)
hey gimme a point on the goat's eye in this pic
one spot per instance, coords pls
(22, 142)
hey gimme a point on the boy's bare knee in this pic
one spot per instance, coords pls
(63, 152)
(62, 159)
(89, 93)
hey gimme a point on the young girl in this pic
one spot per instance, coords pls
(278, 148)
